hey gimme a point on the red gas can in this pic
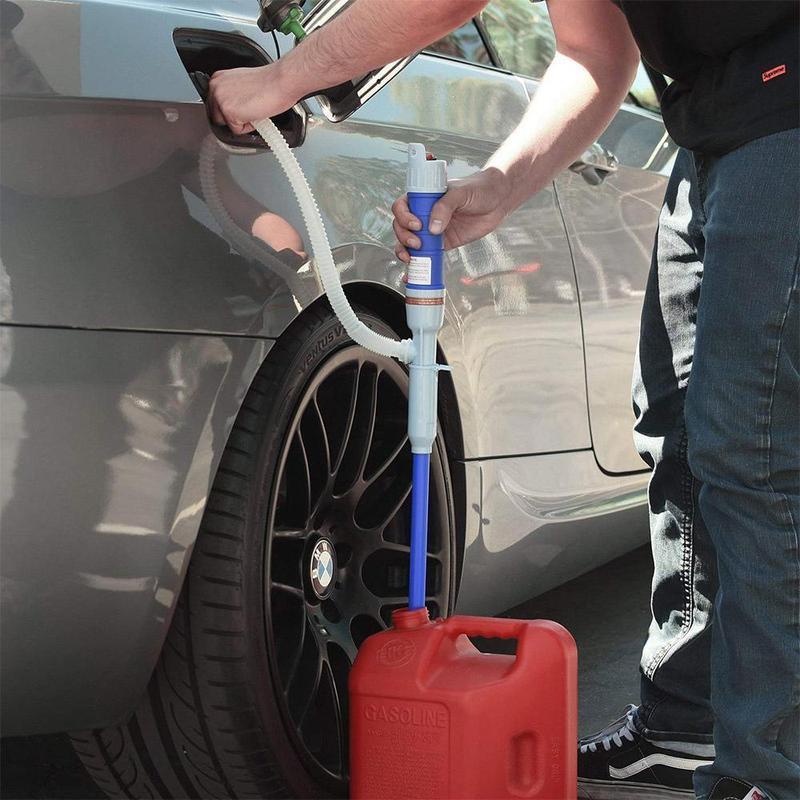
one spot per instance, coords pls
(433, 717)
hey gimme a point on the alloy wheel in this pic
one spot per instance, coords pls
(337, 544)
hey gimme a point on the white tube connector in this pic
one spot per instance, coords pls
(424, 315)
(323, 257)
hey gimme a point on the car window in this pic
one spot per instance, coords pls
(522, 35)
(464, 43)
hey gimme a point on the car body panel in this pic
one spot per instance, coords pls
(542, 521)
(133, 324)
(612, 227)
(110, 443)
(611, 217)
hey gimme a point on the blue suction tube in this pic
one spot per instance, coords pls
(420, 485)
(426, 183)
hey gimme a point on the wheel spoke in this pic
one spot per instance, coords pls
(404, 549)
(306, 469)
(394, 547)
(370, 543)
(340, 719)
(298, 655)
(349, 646)
(394, 510)
(348, 429)
(387, 462)
(373, 413)
(393, 600)
(314, 690)
(285, 587)
(325, 438)
(288, 533)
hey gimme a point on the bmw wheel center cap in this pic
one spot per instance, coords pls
(323, 568)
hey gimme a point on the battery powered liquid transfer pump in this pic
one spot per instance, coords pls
(430, 715)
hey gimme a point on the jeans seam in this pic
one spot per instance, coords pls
(687, 558)
(701, 171)
(771, 400)
(792, 533)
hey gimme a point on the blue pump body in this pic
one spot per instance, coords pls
(420, 205)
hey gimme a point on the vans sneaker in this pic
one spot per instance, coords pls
(618, 763)
(734, 789)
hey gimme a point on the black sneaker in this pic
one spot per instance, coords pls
(734, 789)
(620, 764)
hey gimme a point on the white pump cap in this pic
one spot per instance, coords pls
(423, 175)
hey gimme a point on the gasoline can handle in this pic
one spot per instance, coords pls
(486, 627)
(532, 635)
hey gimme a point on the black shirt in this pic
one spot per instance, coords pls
(733, 65)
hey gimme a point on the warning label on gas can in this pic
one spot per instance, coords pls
(419, 270)
(403, 748)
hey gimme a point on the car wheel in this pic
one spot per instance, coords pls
(302, 554)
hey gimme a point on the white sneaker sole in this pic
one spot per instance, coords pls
(617, 790)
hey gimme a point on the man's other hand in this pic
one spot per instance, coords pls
(472, 207)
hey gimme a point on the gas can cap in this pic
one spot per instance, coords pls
(425, 175)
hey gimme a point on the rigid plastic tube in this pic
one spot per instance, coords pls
(323, 257)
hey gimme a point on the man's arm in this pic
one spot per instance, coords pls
(365, 36)
(594, 66)
(595, 63)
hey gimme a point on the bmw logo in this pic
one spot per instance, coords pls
(323, 568)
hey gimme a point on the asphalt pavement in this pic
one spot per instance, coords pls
(607, 611)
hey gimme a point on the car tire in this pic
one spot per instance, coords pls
(220, 717)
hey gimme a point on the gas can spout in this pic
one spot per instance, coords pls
(406, 619)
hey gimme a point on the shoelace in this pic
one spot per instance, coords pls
(626, 730)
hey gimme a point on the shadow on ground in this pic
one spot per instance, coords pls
(606, 610)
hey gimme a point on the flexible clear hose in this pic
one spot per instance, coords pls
(402, 350)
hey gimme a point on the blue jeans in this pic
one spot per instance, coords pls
(717, 398)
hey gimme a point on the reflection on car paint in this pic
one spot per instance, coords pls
(102, 494)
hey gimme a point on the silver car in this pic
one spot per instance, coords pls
(184, 421)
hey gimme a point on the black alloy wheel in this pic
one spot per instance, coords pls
(302, 553)
(338, 533)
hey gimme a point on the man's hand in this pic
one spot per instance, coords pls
(472, 207)
(239, 97)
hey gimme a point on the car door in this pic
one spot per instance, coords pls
(512, 328)
(610, 200)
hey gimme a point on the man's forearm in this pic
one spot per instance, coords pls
(571, 108)
(595, 64)
(368, 35)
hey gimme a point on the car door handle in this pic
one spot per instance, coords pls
(595, 164)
